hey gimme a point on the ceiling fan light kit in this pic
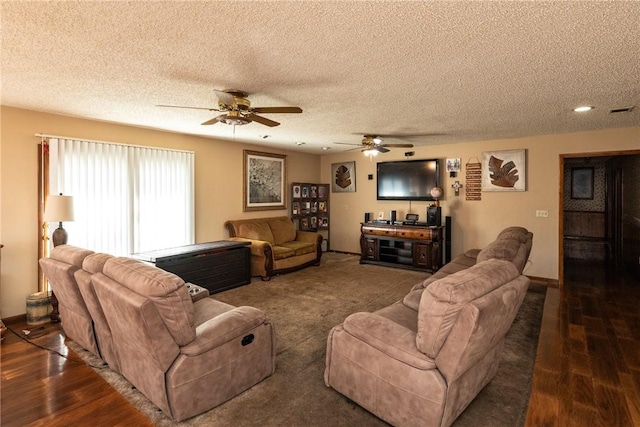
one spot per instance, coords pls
(238, 110)
(371, 145)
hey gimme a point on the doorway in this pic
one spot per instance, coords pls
(599, 218)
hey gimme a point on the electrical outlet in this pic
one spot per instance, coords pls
(542, 213)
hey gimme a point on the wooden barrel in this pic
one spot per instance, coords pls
(38, 308)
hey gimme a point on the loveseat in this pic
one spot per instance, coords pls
(423, 359)
(185, 353)
(276, 246)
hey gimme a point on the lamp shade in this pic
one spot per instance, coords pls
(58, 208)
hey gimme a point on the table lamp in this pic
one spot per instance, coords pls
(58, 209)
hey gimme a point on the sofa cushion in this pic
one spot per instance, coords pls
(300, 248)
(443, 299)
(505, 249)
(514, 235)
(281, 252)
(166, 290)
(256, 231)
(95, 263)
(513, 230)
(283, 230)
(70, 254)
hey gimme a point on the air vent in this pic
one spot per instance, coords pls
(621, 110)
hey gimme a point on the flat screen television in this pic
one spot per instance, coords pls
(408, 179)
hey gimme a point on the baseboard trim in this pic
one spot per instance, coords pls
(15, 319)
(552, 283)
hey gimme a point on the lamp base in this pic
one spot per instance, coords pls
(59, 236)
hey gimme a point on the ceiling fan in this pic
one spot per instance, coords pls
(238, 111)
(372, 145)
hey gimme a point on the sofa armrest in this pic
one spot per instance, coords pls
(389, 337)
(308, 236)
(258, 247)
(196, 292)
(221, 329)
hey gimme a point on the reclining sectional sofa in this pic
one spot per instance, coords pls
(187, 354)
(419, 361)
(422, 360)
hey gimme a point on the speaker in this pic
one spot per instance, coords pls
(367, 217)
(392, 216)
(447, 239)
(434, 216)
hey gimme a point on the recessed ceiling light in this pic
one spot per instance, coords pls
(326, 148)
(300, 143)
(583, 109)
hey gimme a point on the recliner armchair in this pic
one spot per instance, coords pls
(185, 357)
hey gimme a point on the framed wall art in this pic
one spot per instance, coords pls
(264, 181)
(504, 170)
(343, 177)
(582, 183)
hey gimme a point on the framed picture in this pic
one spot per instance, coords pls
(582, 183)
(343, 177)
(264, 181)
(305, 191)
(504, 170)
(453, 165)
(296, 192)
(322, 191)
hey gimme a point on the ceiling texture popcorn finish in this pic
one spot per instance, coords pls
(417, 72)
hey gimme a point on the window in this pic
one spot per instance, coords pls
(126, 198)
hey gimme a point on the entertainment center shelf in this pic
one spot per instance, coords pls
(406, 246)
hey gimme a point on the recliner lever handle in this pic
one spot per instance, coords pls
(247, 339)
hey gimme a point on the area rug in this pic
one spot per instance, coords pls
(304, 306)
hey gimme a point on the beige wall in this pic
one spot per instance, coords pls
(476, 223)
(218, 181)
(219, 189)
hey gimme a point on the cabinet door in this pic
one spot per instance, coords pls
(370, 249)
(422, 256)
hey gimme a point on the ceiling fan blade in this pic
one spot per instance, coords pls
(347, 143)
(380, 148)
(210, 122)
(397, 145)
(225, 98)
(261, 120)
(191, 108)
(277, 110)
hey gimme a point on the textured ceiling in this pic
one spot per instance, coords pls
(440, 72)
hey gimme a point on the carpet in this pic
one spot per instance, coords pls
(304, 306)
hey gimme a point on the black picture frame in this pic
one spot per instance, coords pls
(582, 183)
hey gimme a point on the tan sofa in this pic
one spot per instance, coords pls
(422, 360)
(276, 246)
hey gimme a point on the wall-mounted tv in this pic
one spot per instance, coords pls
(408, 179)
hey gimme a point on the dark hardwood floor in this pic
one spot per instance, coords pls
(587, 370)
(55, 388)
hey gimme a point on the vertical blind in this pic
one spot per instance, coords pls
(126, 198)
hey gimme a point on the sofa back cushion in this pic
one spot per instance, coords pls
(505, 249)
(443, 299)
(165, 290)
(283, 230)
(70, 254)
(256, 231)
